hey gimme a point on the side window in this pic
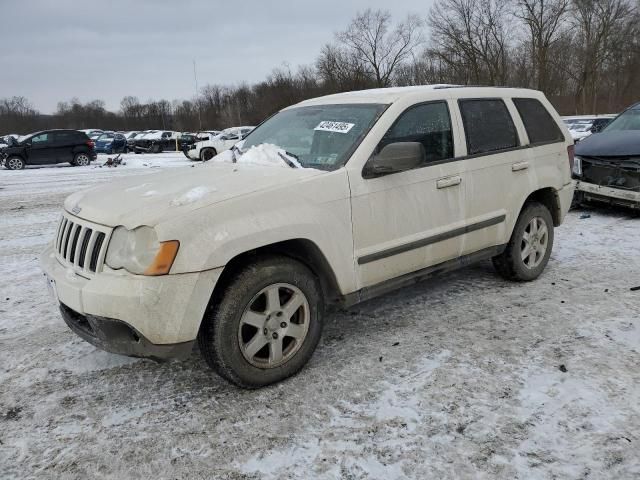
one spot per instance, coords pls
(40, 139)
(487, 125)
(538, 122)
(428, 124)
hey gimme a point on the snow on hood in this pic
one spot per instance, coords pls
(617, 143)
(152, 198)
(265, 154)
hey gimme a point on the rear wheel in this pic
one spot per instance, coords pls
(14, 163)
(266, 324)
(529, 248)
(207, 154)
(81, 160)
(156, 148)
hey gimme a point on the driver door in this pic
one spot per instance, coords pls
(410, 220)
(42, 150)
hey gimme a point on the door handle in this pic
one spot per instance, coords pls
(449, 182)
(516, 167)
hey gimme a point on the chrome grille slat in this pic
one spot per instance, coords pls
(70, 230)
(81, 245)
(63, 223)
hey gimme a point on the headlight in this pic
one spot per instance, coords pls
(577, 166)
(138, 251)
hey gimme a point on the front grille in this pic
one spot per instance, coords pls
(80, 244)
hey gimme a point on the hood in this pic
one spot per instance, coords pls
(619, 143)
(152, 198)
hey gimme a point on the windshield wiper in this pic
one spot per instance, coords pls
(288, 161)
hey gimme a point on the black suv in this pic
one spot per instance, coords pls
(49, 146)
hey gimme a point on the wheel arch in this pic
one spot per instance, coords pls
(549, 198)
(303, 250)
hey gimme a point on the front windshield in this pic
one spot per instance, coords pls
(105, 137)
(320, 136)
(629, 120)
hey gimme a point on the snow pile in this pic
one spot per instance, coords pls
(191, 196)
(265, 154)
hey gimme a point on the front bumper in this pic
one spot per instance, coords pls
(614, 196)
(193, 154)
(118, 337)
(161, 311)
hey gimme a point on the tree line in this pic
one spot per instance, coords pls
(583, 54)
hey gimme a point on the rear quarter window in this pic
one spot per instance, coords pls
(487, 125)
(538, 122)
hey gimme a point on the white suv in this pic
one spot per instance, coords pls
(206, 150)
(334, 200)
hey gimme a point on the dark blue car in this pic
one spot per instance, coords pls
(111, 143)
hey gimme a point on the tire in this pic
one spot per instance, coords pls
(207, 154)
(81, 160)
(514, 263)
(242, 315)
(156, 148)
(14, 163)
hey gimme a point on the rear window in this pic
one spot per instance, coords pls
(487, 125)
(538, 122)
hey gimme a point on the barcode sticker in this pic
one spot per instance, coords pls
(339, 127)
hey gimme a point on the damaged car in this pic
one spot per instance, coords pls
(607, 164)
(328, 203)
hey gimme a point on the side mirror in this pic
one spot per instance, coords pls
(394, 158)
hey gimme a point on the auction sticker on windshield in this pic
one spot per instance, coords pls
(340, 127)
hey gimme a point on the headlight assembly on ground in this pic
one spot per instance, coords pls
(138, 251)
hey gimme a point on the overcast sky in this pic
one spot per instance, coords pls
(52, 50)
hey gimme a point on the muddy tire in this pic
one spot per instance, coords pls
(207, 154)
(529, 248)
(265, 325)
(14, 163)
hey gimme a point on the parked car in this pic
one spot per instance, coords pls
(157, 141)
(92, 132)
(50, 146)
(206, 150)
(334, 200)
(607, 164)
(582, 126)
(111, 143)
(207, 135)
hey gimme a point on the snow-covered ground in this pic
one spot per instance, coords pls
(464, 376)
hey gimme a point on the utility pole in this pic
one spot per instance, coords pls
(195, 78)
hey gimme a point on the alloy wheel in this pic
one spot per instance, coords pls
(535, 241)
(82, 160)
(14, 163)
(274, 325)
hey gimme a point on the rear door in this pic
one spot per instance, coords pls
(406, 221)
(64, 144)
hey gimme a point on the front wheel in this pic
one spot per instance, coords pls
(265, 325)
(207, 154)
(14, 163)
(529, 248)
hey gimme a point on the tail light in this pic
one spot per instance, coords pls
(91, 143)
(571, 155)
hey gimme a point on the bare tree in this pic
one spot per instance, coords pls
(470, 37)
(600, 26)
(378, 47)
(545, 21)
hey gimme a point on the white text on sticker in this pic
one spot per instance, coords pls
(340, 127)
